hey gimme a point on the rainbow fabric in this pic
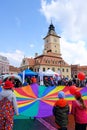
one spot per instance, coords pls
(38, 101)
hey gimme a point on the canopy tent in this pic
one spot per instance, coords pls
(17, 80)
(15, 76)
(27, 73)
(40, 74)
(50, 72)
(47, 73)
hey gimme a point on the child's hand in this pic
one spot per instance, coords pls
(17, 114)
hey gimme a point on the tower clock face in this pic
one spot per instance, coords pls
(55, 40)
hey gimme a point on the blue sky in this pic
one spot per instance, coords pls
(24, 24)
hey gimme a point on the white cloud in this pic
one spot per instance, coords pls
(70, 15)
(14, 58)
(74, 53)
(71, 18)
(31, 46)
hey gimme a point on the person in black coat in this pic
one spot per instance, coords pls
(61, 111)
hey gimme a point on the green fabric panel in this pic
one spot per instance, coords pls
(23, 124)
(21, 117)
(32, 111)
(41, 90)
(28, 124)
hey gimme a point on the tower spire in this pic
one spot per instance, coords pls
(51, 29)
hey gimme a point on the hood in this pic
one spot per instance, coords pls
(61, 103)
(6, 93)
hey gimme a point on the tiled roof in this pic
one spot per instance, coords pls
(14, 69)
(50, 60)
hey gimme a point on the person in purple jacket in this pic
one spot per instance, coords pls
(79, 111)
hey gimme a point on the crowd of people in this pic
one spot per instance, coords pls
(61, 109)
(47, 81)
(55, 81)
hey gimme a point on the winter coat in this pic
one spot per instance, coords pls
(79, 113)
(60, 111)
(11, 97)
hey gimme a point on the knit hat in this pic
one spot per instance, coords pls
(61, 94)
(77, 94)
(8, 84)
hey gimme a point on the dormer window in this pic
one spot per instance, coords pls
(23, 61)
(55, 40)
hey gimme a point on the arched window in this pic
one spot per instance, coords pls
(63, 70)
(49, 61)
(43, 69)
(38, 69)
(53, 69)
(35, 69)
(66, 70)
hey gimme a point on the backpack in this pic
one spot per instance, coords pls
(6, 108)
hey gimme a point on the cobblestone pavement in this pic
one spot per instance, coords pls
(28, 124)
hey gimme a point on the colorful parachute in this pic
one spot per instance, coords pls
(38, 101)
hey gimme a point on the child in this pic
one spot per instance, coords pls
(79, 110)
(8, 106)
(60, 111)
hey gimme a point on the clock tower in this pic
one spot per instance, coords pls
(52, 42)
(51, 57)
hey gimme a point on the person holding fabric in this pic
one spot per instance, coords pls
(8, 105)
(79, 111)
(61, 111)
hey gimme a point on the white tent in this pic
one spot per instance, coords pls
(50, 72)
(41, 76)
